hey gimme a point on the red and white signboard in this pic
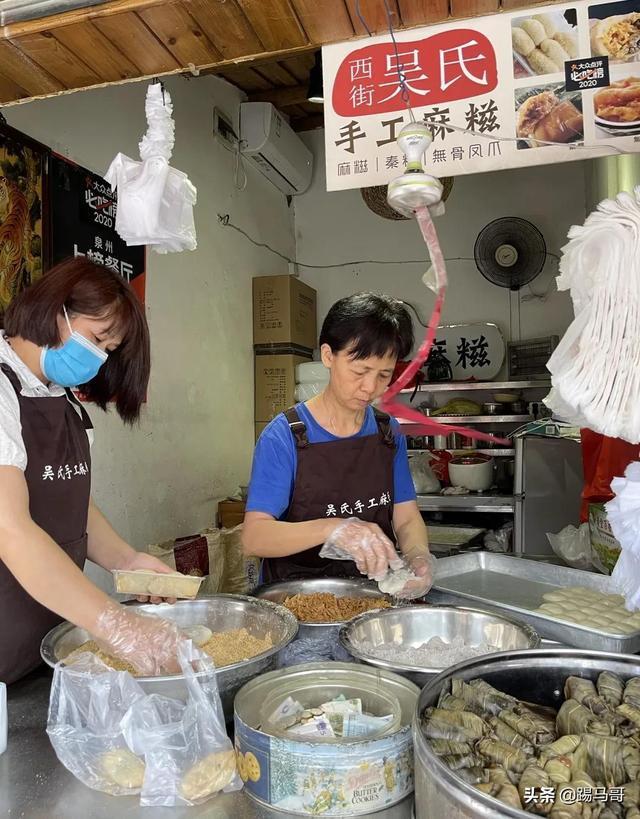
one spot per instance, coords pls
(511, 84)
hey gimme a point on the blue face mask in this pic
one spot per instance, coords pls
(75, 362)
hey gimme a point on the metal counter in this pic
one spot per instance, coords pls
(34, 785)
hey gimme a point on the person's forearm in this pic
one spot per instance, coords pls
(51, 577)
(275, 538)
(105, 546)
(413, 540)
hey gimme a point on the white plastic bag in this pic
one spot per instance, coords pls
(573, 546)
(424, 479)
(155, 201)
(624, 518)
(116, 738)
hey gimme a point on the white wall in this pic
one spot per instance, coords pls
(335, 227)
(195, 441)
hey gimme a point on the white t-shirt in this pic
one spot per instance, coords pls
(12, 449)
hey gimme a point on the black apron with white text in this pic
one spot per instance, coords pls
(350, 477)
(58, 476)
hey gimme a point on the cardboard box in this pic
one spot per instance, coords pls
(275, 384)
(230, 513)
(284, 311)
(259, 427)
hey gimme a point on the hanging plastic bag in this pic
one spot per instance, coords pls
(187, 752)
(155, 201)
(573, 546)
(624, 518)
(424, 479)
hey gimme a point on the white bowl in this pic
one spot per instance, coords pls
(474, 473)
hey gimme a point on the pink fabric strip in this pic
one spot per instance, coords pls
(388, 402)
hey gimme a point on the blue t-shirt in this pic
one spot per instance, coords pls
(275, 462)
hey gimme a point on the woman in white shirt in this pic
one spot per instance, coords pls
(81, 325)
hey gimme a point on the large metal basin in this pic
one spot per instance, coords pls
(536, 676)
(221, 612)
(341, 587)
(411, 626)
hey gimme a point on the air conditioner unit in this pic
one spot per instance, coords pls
(269, 141)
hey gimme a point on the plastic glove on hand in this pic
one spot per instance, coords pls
(149, 643)
(423, 567)
(364, 543)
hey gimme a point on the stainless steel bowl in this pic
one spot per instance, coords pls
(341, 587)
(412, 626)
(221, 612)
(535, 676)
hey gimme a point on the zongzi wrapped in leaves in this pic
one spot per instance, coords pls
(632, 692)
(499, 753)
(537, 729)
(630, 713)
(574, 718)
(563, 746)
(443, 747)
(584, 692)
(499, 775)
(559, 769)
(508, 795)
(631, 794)
(473, 776)
(456, 761)
(451, 703)
(463, 718)
(609, 760)
(438, 729)
(505, 733)
(480, 697)
(611, 688)
(533, 789)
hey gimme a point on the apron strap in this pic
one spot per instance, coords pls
(13, 378)
(384, 427)
(297, 427)
(85, 415)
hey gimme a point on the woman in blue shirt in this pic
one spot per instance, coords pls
(334, 469)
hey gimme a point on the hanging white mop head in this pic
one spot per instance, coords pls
(415, 188)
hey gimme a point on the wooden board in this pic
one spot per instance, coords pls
(472, 8)
(25, 73)
(324, 22)
(57, 60)
(275, 23)
(374, 15)
(245, 78)
(300, 66)
(180, 34)
(226, 27)
(9, 90)
(423, 12)
(137, 43)
(276, 75)
(94, 49)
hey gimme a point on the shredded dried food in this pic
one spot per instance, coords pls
(224, 648)
(323, 607)
(436, 653)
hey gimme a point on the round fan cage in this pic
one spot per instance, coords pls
(375, 199)
(510, 252)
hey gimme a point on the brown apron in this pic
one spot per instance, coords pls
(347, 478)
(58, 477)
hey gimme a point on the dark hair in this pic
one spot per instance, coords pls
(366, 325)
(90, 289)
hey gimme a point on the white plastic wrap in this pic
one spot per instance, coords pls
(115, 738)
(573, 546)
(596, 367)
(624, 517)
(155, 201)
(424, 479)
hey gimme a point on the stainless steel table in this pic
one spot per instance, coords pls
(34, 785)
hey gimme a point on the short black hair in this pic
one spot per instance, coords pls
(368, 325)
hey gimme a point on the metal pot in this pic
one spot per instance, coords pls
(341, 587)
(536, 676)
(415, 625)
(221, 612)
(519, 408)
(492, 408)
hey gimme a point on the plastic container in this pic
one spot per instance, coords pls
(4, 718)
(310, 694)
(144, 582)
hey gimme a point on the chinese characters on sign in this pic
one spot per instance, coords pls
(476, 90)
(65, 472)
(83, 223)
(356, 508)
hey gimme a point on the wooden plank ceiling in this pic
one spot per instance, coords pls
(264, 47)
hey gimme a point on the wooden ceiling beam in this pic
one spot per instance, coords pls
(54, 58)
(308, 123)
(180, 34)
(90, 45)
(226, 26)
(423, 12)
(324, 22)
(138, 44)
(473, 8)
(18, 68)
(275, 22)
(282, 97)
(374, 15)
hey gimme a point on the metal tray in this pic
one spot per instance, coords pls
(502, 583)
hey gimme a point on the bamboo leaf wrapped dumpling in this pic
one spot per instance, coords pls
(533, 781)
(563, 746)
(608, 760)
(499, 753)
(631, 694)
(574, 718)
(480, 697)
(534, 727)
(611, 688)
(559, 769)
(584, 692)
(506, 733)
(444, 747)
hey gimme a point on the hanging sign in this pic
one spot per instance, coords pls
(83, 217)
(507, 78)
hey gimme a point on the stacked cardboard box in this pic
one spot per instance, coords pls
(284, 335)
